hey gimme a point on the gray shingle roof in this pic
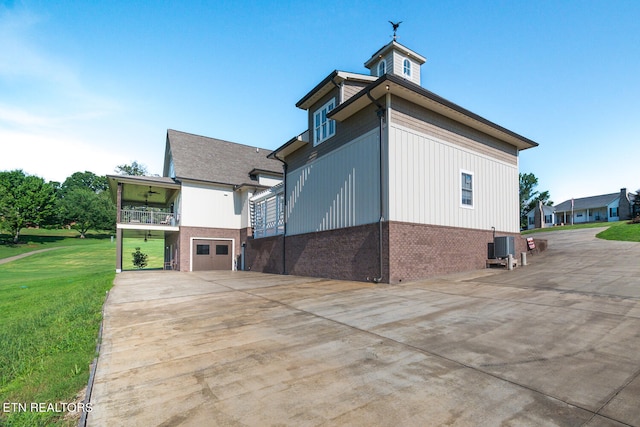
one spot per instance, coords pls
(213, 160)
(587, 202)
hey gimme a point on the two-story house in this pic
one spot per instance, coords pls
(200, 206)
(389, 181)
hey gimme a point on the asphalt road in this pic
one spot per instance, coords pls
(556, 342)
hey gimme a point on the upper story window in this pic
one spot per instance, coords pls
(466, 189)
(382, 68)
(323, 127)
(406, 68)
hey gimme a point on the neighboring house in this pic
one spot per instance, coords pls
(200, 206)
(389, 181)
(541, 217)
(606, 207)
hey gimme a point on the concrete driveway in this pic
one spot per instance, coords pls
(554, 343)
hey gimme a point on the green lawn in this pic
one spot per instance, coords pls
(154, 248)
(50, 314)
(619, 230)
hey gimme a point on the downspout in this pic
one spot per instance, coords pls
(284, 190)
(381, 116)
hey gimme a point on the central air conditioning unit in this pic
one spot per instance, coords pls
(503, 246)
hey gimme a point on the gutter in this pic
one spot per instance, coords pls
(381, 117)
(285, 166)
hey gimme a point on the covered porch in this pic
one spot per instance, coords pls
(147, 208)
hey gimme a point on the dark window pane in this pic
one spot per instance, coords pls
(202, 249)
(222, 249)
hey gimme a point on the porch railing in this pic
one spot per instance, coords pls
(267, 212)
(147, 217)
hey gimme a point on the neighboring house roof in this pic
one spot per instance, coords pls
(213, 160)
(587, 202)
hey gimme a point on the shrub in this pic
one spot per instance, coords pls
(139, 259)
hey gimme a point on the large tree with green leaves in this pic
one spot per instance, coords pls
(87, 180)
(25, 200)
(529, 196)
(86, 210)
(134, 169)
(84, 204)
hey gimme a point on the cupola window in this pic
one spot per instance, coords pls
(406, 69)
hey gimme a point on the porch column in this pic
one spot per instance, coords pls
(118, 230)
(118, 250)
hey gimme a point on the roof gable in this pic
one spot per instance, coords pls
(213, 160)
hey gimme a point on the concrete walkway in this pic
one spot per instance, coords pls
(553, 343)
(26, 254)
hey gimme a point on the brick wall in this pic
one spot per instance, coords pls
(410, 252)
(348, 254)
(419, 251)
(264, 255)
(186, 233)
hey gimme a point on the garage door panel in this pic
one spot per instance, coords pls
(212, 255)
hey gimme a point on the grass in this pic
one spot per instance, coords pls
(154, 248)
(619, 230)
(50, 314)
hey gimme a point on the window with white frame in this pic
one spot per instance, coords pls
(382, 68)
(466, 189)
(406, 68)
(323, 127)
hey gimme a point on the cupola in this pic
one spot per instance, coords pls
(396, 59)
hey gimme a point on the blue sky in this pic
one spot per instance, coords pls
(93, 84)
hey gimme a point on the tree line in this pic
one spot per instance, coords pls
(81, 202)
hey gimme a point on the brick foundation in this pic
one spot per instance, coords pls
(419, 251)
(410, 252)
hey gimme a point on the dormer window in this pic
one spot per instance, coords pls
(406, 68)
(382, 68)
(323, 127)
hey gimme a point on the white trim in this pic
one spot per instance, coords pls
(383, 61)
(473, 197)
(406, 67)
(233, 250)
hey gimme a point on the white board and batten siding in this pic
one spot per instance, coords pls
(340, 189)
(215, 206)
(425, 184)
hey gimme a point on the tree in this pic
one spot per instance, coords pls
(85, 209)
(87, 180)
(139, 259)
(24, 200)
(134, 169)
(635, 210)
(529, 198)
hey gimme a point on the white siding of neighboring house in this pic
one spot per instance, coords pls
(211, 206)
(424, 184)
(337, 190)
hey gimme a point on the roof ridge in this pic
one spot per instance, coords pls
(219, 140)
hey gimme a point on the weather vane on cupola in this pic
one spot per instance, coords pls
(395, 26)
